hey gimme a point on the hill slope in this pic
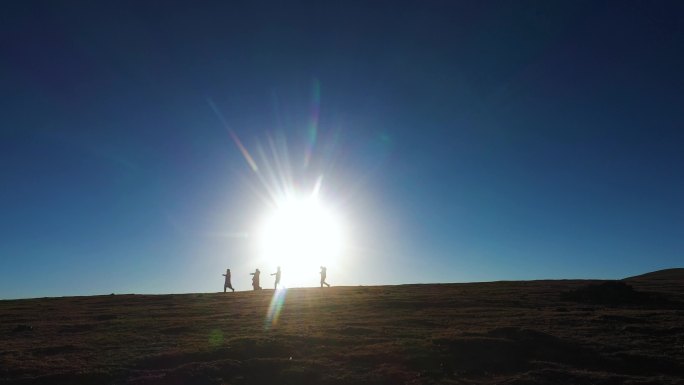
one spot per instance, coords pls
(670, 281)
(676, 274)
(482, 333)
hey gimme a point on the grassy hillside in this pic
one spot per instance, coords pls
(676, 274)
(480, 333)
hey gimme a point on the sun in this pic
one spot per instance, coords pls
(300, 235)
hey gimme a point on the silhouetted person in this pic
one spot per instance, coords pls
(227, 284)
(255, 279)
(277, 274)
(324, 272)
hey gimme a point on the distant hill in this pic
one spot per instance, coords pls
(676, 274)
(668, 281)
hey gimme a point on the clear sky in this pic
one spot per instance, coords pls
(455, 141)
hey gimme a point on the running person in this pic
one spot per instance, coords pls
(277, 275)
(255, 279)
(324, 272)
(227, 284)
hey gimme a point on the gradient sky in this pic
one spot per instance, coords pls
(461, 141)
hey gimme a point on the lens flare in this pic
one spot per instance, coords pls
(312, 128)
(277, 302)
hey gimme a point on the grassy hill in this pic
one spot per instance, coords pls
(676, 274)
(670, 281)
(478, 333)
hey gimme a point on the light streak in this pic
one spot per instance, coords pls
(234, 136)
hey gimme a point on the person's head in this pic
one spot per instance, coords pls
(227, 270)
(279, 268)
(257, 270)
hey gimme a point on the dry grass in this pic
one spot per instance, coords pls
(483, 333)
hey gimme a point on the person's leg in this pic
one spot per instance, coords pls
(224, 289)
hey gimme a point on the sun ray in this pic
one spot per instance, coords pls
(299, 231)
(233, 135)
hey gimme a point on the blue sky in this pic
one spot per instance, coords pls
(460, 141)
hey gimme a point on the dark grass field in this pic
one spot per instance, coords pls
(528, 332)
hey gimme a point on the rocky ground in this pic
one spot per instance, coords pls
(526, 332)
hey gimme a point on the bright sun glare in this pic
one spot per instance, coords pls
(300, 235)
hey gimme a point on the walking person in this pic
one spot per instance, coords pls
(227, 284)
(255, 279)
(277, 275)
(324, 272)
